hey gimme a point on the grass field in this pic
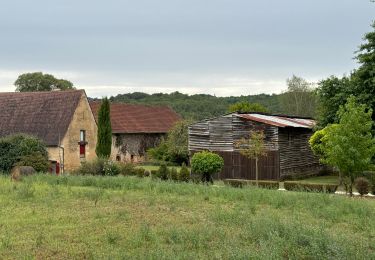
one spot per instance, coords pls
(85, 217)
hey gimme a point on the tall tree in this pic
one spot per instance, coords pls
(245, 106)
(104, 142)
(37, 81)
(299, 99)
(349, 146)
(253, 147)
(333, 92)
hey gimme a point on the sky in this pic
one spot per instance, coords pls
(218, 47)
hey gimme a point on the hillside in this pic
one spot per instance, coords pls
(198, 106)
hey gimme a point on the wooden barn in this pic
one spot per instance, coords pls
(286, 140)
(136, 128)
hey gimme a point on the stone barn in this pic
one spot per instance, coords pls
(62, 119)
(136, 128)
(286, 139)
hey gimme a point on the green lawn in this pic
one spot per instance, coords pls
(85, 217)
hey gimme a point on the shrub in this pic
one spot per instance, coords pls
(262, 183)
(173, 174)
(94, 167)
(163, 172)
(127, 169)
(14, 147)
(206, 163)
(184, 174)
(370, 175)
(140, 172)
(154, 173)
(362, 185)
(36, 160)
(310, 187)
(110, 168)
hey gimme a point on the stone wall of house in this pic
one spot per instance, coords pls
(133, 147)
(83, 119)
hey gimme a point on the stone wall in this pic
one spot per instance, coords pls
(133, 147)
(83, 119)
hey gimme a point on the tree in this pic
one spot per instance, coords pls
(207, 164)
(350, 145)
(253, 147)
(245, 107)
(104, 143)
(299, 99)
(37, 81)
(333, 92)
(175, 147)
(23, 150)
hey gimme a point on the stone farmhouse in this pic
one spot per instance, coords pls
(62, 119)
(136, 128)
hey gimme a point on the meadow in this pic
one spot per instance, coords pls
(87, 217)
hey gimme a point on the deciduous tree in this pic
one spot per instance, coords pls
(244, 107)
(37, 81)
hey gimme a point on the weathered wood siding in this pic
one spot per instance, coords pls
(199, 136)
(296, 157)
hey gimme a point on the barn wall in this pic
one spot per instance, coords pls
(296, 157)
(133, 147)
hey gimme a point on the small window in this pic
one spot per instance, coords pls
(82, 136)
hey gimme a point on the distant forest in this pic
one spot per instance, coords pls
(198, 106)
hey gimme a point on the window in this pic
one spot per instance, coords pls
(82, 136)
(82, 144)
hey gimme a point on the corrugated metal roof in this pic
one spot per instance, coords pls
(279, 121)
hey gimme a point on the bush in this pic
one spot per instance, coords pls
(14, 147)
(262, 183)
(206, 163)
(370, 175)
(140, 172)
(110, 168)
(36, 160)
(310, 187)
(362, 185)
(163, 172)
(94, 167)
(127, 169)
(184, 174)
(173, 174)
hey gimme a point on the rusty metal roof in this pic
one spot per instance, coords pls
(279, 120)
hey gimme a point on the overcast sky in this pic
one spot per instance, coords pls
(221, 47)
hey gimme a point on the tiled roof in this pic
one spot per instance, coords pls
(279, 121)
(46, 115)
(132, 118)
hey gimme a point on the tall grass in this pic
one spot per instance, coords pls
(129, 217)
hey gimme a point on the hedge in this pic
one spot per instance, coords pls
(261, 183)
(311, 187)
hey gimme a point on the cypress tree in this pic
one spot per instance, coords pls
(103, 146)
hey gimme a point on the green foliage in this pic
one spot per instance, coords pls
(349, 145)
(99, 166)
(175, 148)
(36, 160)
(199, 106)
(362, 185)
(318, 142)
(173, 174)
(242, 183)
(110, 168)
(310, 187)
(245, 106)
(104, 143)
(37, 81)
(184, 174)
(252, 146)
(207, 164)
(163, 172)
(370, 175)
(299, 99)
(333, 92)
(13, 148)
